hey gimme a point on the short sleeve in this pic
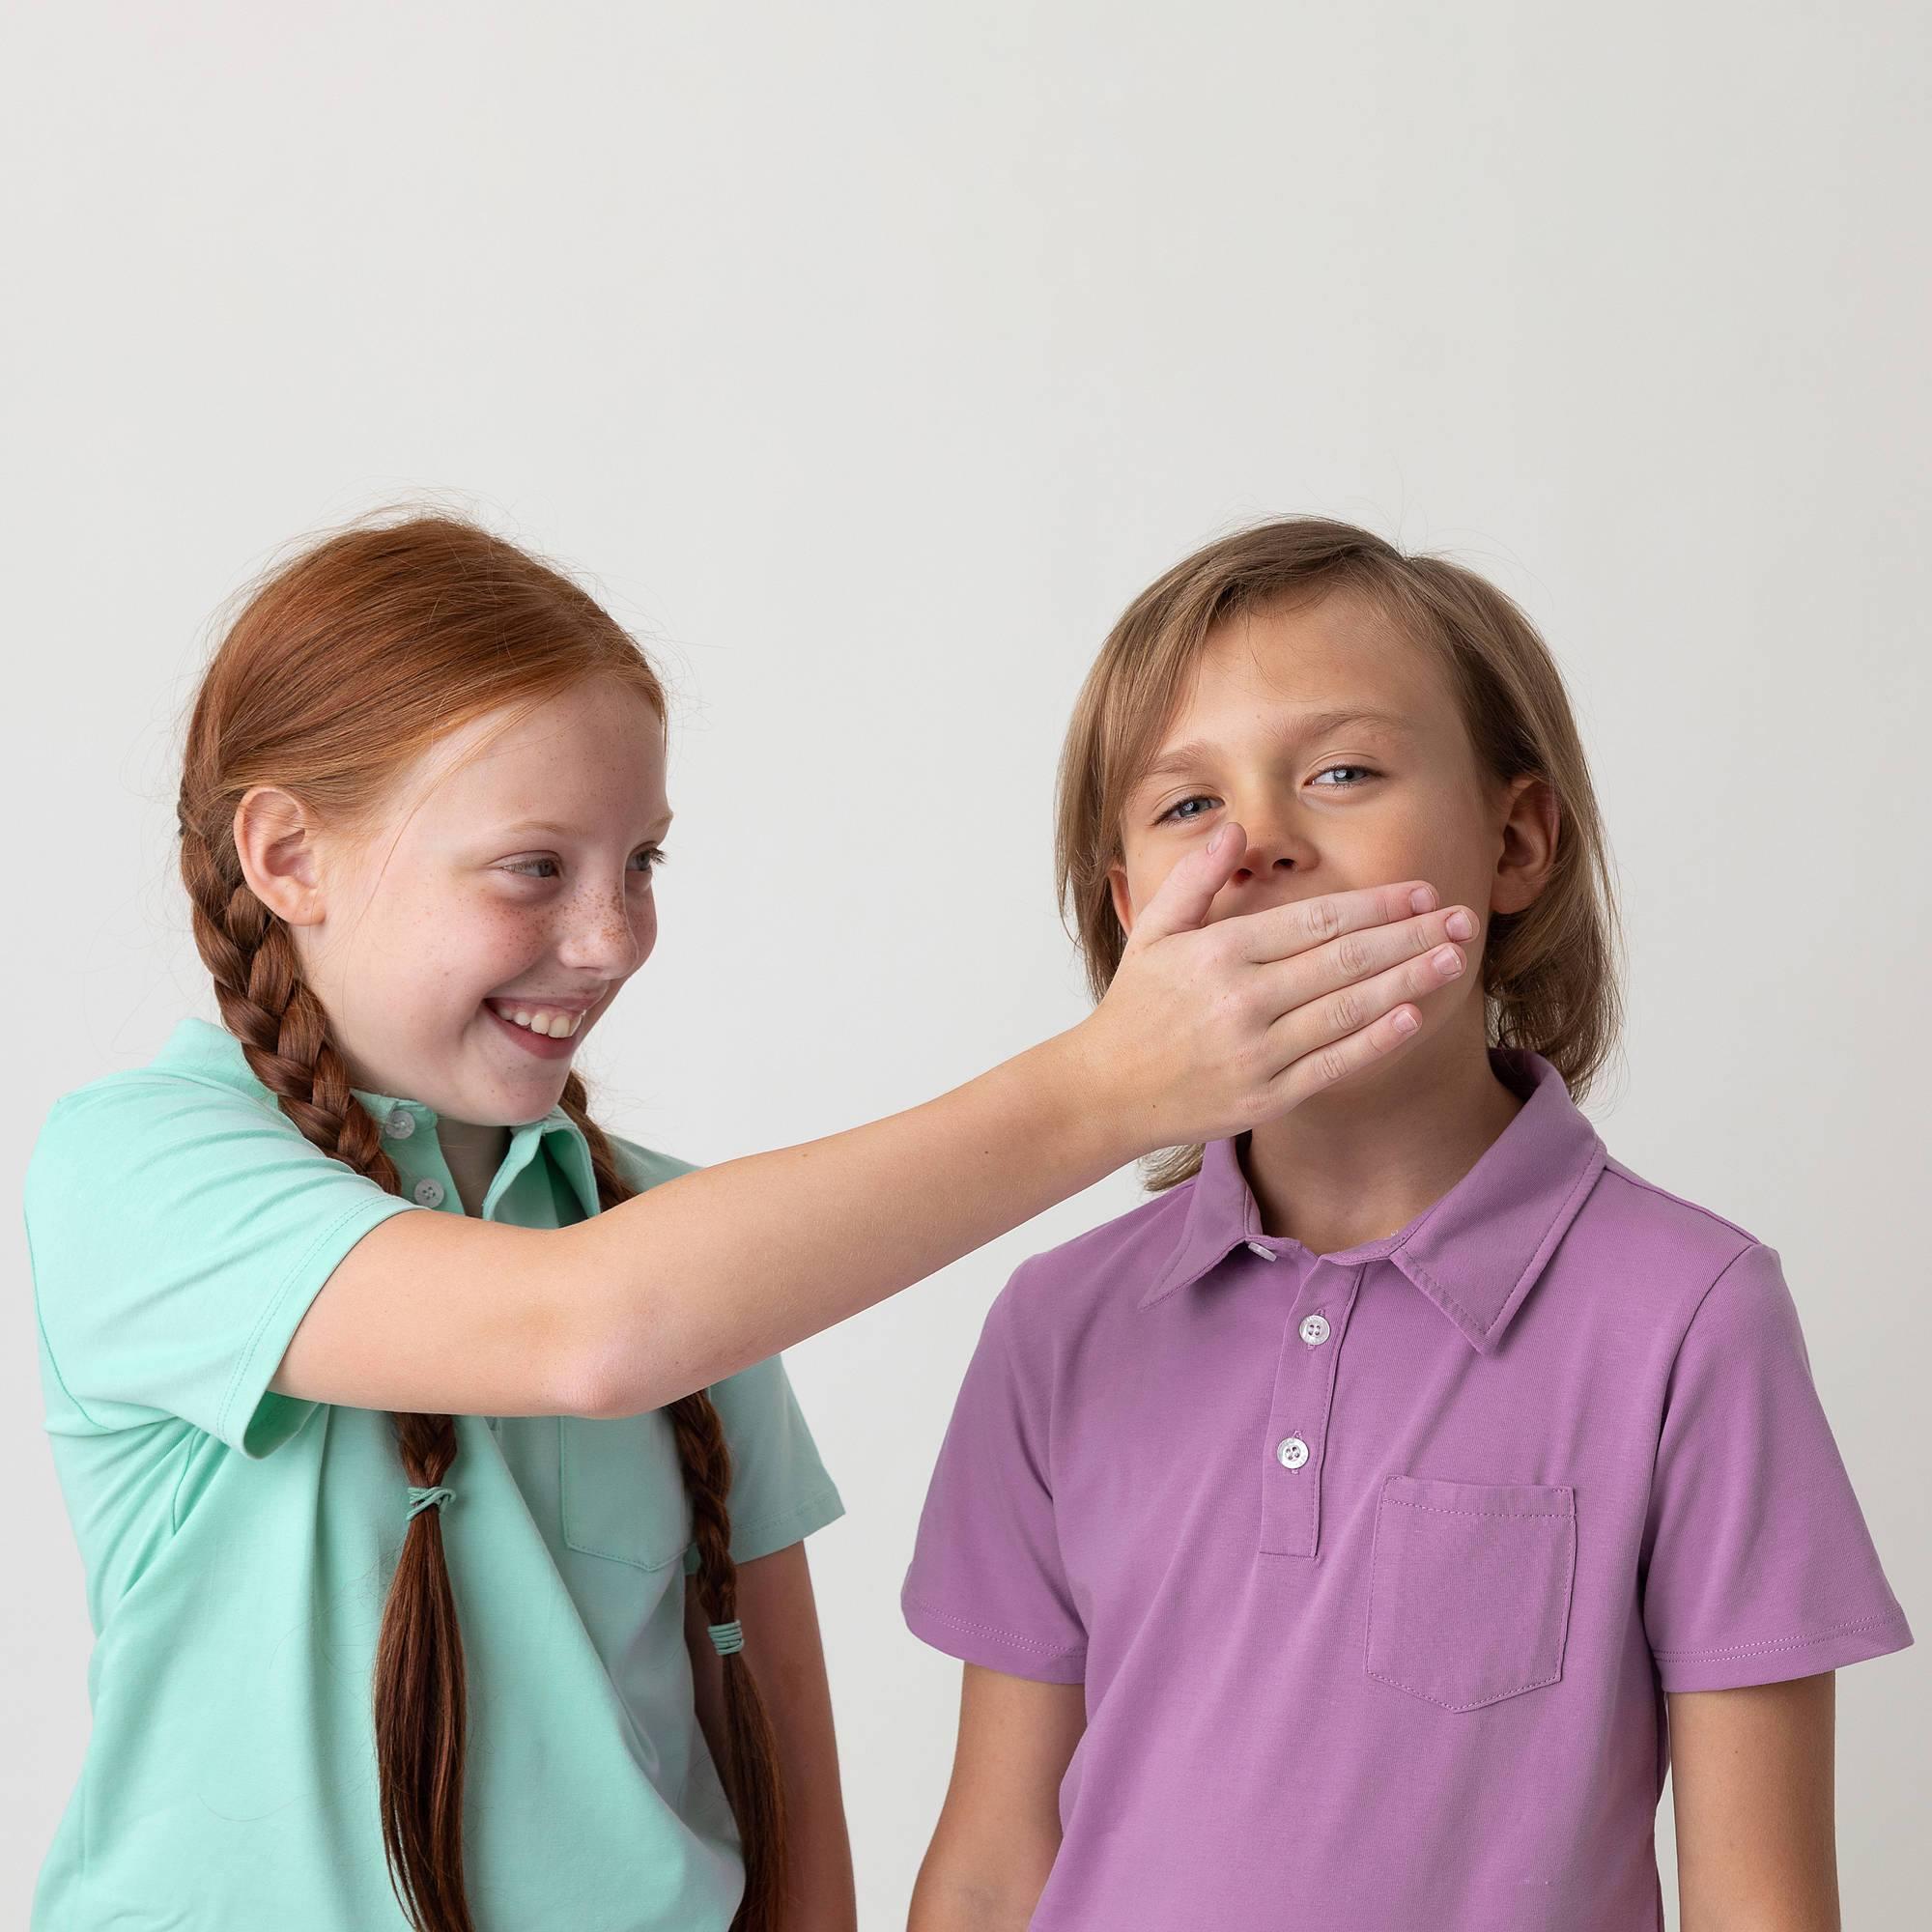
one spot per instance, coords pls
(987, 1583)
(1757, 1564)
(781, 1490)
(177, 1232)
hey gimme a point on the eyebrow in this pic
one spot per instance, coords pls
(557, 830)
(1308, 724)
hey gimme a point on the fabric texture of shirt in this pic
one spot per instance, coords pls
(237, 1543)
(1375, 1565)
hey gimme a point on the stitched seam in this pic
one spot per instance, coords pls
(1382, 1501)
(1587, 1179)
(53, 1361)
(585, 1539)
(995, 1630)
(1697, 1207)
(1776, 1642)
(804, 1507)
(1501, 1515)
(283, 1289)
(1474, 1704)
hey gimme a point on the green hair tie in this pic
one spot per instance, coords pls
(422, 1500)
(727, 1638)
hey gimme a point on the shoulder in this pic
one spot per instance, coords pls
(1065, 1292)
(199, 1065)
(117, 1126)
(1661, 1247)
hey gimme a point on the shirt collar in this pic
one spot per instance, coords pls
(556, 1130)
(1477, 1252)
(203, 1050)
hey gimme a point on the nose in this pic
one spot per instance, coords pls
(607, 932)
(1271, 851)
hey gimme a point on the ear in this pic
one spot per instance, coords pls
(275, 840)
(1124, 904)
(1531, 821)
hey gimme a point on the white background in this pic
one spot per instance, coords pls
(867, 358)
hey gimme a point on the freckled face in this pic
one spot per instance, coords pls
(510, 870)
(1326, 807)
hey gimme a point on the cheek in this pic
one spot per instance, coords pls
(1145, 875)
(491, 943)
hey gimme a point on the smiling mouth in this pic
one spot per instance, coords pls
(545, 1021)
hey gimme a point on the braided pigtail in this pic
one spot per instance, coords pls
(751, 1777)
(420, 1693)
(344, 668)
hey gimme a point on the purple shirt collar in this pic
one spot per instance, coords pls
(1475, 1253)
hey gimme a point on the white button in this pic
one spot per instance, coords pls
(1266, 1254)
(428, 1192)
(1290, 1452)
(1314, 1330)
(399, 1125)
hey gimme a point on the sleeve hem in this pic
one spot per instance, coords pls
(771, 1533)
(255, 1419)
(1783, 1657)
(996, 1649)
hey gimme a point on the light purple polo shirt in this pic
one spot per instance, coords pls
(1375, 1564)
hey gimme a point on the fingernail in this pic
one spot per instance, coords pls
(1214, 843)
(1461, 925)
(1422, 899)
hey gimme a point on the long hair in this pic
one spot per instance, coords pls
(1549, 972)
(342, 667)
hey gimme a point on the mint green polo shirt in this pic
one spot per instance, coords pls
(237, 1543)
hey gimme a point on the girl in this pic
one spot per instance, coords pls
(438, 1483)
(1350, 1535)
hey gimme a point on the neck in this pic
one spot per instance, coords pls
(472, 1155)
(1364, 1158)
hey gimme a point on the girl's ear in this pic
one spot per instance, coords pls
(1124, 904)
(274, 841)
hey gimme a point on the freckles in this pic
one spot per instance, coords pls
(521, 927)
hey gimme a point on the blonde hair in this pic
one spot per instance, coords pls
(1550, 972)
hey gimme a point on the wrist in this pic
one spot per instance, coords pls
(1102, 1113)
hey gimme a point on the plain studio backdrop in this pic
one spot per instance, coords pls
(867, 358)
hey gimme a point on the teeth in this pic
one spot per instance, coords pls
(540, 1020)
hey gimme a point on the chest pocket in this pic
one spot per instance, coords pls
(1469, 1588)
(620, 1490)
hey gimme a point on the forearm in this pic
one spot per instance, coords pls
(786, 1659)
(791, 1680)
(703, 1275)
(950, 1897)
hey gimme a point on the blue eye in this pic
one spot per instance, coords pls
(653, 856)
(1179, 812)
(1175, 808)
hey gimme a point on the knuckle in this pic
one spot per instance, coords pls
(1352, 954)
(1324, 917)
(1330, 1065)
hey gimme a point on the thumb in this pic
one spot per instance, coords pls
(1182, 902)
